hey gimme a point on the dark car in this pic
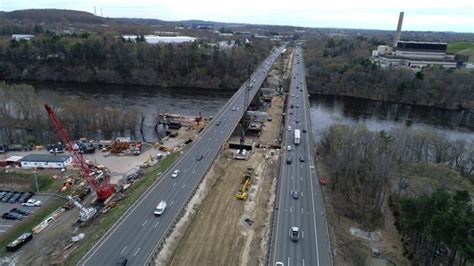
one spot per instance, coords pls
(122, 261)
(14, 198)
(218, 123)
(2, 193)
(301, 158)
(288, 160)
(294, 233)
(295, 194)
(199, 157)
(304, 130)
(12, 216)
(20, 211)
(7, 196)
(25, 197)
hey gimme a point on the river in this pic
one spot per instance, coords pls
(325, 110)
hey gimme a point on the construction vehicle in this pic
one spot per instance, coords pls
(84, 213)
(97, 177)
(246, 182)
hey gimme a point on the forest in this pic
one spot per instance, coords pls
(404, 167)
(342, 66)
(104, 58)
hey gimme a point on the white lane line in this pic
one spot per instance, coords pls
(291, 177)
(302, 211)
(301, 178)
(184, 186)
(136, 252)
(144, 222)
(301, 193)
(290, 209)
(157, 223)
(303, 262)
(288, 261)
(174, 184)
(172, 203)
(123, 249)
(302, 234)
(194, 171)
(6, 225)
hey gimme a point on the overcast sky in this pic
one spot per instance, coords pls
(430, 15)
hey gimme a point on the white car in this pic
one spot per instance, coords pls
(32, 203)
(289, 128)
(175, 173)
(160, 208)
(288, 148)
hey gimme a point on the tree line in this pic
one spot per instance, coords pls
(342, 66)
(23, 119)
(101, 58)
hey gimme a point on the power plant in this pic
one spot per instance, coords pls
(414, 55)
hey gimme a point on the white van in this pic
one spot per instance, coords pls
(160, 208)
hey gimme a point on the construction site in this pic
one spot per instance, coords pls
(234, 204)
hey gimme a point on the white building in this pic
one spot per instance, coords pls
(26, 37)
(45, 161)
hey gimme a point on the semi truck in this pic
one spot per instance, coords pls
(297, 136)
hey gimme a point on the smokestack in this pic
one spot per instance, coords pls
(399, 29)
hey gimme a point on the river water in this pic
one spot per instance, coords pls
(325, 110)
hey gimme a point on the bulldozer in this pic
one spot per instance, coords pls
(246, 182)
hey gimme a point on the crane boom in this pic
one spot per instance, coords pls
(102, 187)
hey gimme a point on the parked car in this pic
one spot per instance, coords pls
(175, 173)
(160, 208)
(32, 203)
(14, 198)
(12, 216)
(7, 196)
(26, 196)
(20, 211)
(2, 193)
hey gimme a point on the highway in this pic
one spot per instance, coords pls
(138, 232)
(307, 211)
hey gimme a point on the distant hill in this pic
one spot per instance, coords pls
(53, 16)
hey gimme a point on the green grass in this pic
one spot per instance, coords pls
(107, 220)
(45, 181)
(463, 48)
(28, 223)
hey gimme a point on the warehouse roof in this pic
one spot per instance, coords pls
(46, 158)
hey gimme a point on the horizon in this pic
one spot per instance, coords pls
(421, 15)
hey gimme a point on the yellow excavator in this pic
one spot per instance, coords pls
(246, 182)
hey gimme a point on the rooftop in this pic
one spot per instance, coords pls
(46, 158)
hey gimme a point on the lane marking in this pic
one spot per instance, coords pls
(174, 184)
(145, 222)
(7, 225)
(157, 223)
(302, 234)
(184, 186)
(136, 252)
(288, 261)
(290, 209)
(171, 204)
(123, 249)
(302, 211)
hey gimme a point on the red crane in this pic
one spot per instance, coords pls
(100, 184)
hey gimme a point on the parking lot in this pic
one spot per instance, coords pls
(5, 207)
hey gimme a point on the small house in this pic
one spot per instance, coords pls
(46, 161)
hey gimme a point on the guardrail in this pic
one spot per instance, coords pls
(159, 246)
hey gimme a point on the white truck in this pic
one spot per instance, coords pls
(297, 136)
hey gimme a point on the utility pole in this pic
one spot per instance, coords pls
(36, 181)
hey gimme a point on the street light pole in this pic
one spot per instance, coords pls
(36, 181)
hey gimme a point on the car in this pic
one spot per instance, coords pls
(288, 159)
(301, 90)
(288, 148)
(14, 198)
(20, 211)
(289, 128)
(199, 157)
(291, 112)
(32, 203)
(278, 263)
(160, 208)
(122, 261)
(301, 158)
(7, 196)
(323, 181)
(234, 108)
(297, 121)
(295, 194)
(218, 123)
(294, 233)
(175, 173)
(10, 216)
(16, 216)
(2, 193)
(26, 196)
(304, 130)
(297, 106)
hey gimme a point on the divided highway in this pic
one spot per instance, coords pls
(298, 174)
(138, 232)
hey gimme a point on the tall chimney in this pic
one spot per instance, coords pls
(399, 29)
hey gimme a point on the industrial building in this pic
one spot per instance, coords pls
(45, 161)
(414, 55)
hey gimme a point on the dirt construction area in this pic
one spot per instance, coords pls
(225, 230)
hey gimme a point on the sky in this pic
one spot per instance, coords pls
(420, 15)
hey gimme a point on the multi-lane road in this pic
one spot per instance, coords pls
(307, 211)
(138, 232)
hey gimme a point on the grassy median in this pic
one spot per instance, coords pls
(107, 220)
